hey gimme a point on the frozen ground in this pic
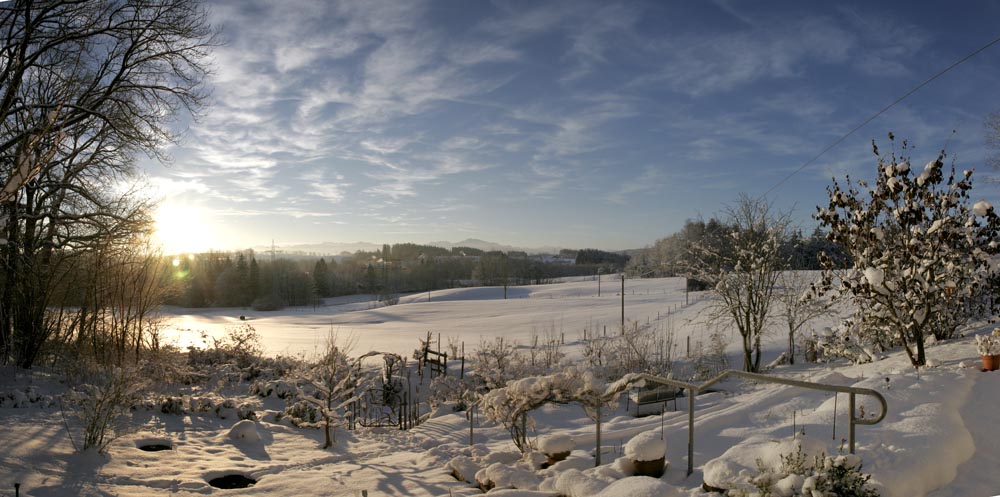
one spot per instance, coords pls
(939, 438)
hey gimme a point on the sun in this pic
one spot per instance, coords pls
(183, 229)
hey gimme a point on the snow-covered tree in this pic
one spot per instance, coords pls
(920, 251)
(330, 385)
(743, 268)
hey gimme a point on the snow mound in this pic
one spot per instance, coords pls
(244, 431)
(640, 486)
(646, 446)
(724, 471)
(505, 476)
(575, 483)
(555, 444)
(464, 468)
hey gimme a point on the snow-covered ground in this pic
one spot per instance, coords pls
(938, 438)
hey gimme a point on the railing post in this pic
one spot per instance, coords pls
(692, 394)
(597, 450)
(850, 429)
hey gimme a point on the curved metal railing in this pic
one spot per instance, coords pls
(694, 389)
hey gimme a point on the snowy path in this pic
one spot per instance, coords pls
(978, 476)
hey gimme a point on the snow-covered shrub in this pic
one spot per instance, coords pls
(102, 405)
(497, 361)
(240, 347)
(848, 341)
(919, 252)
(301, 414)
(27, 397)
(452, 389)
(172, 405)
(511, 404)
(711, 359)
(641, 348)
(838, 476)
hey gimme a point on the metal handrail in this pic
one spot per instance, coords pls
(695, 389)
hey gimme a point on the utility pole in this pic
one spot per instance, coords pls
(623, 301)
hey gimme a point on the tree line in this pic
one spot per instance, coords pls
(239, 279)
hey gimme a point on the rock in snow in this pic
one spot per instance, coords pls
(244, 431)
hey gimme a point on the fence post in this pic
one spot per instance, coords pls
(471, 415)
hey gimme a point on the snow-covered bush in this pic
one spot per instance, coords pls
(27, 397)
(511, 404)
(848, 341)
(838, 476)
(640, 348)
(443, 389)
(301, 414)
(172, 405)
(919, 251)
(102, 405)
(711, 359)
(988, 344)
(240, 347)
(497, 361)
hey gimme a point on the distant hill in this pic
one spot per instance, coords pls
(336, 248)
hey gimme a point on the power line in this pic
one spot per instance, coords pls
(879, 113)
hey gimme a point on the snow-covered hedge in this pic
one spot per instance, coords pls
(27, 397)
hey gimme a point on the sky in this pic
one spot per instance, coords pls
(557, 123)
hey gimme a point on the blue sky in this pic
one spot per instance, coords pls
(577, 124)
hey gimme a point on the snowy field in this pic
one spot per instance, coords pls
(938, 439)
(463, 314)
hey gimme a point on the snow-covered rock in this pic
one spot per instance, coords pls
(575, 483)
(464, 468)
(499, 475)
(244, 431)
(556, 444)
(646, 446)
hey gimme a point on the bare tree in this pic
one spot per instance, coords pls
(84, 88)
(743, 268)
